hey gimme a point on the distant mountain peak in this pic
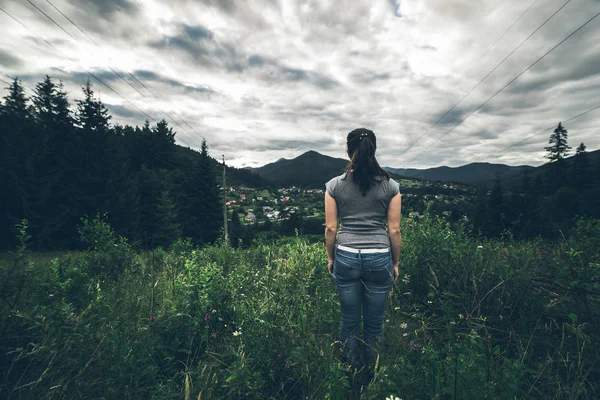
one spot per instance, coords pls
(310, 169)
(312, 152)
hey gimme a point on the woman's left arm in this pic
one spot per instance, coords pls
(330, 227)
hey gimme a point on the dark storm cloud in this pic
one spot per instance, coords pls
(512, 105)
(144, 76)
(125, 112)
(271, 70)
(368, 77)
(587, 66)
(396, 7)
(106, 8)
(7, 60)
(151, 76)
(453, 117)
(191, 39)
(197, 32)
(299, 115)
(200, 44)
(227, 6)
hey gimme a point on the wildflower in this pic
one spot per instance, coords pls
(396, 308)
(480, 247)
(152, 318)
(387, 320)
(405, 334)
(214, 311)
(207, 316)
(404, 325)
(415, 346)
(392, 397)
(461, 316)
(214, 334)
(469, 317)
(429, 302)
(237, 333)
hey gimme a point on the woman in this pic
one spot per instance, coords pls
(364, 261)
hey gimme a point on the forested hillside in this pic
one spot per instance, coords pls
(57, 166)
(470, 173)
(544, 201)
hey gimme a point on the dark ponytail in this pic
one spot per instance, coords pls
(363, 166)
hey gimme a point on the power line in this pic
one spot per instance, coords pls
(91, 74)
(505, 86)
(499, 38)
(73, 23)
(488, 74)
(77, 41)
(75, 62)
(545, 130)
(130, 74)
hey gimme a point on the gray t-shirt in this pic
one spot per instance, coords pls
(363, 219)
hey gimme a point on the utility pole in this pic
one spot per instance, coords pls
(224, 202)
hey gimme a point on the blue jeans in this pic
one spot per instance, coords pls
(363, 282)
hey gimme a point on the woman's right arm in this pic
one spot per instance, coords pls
(393, 222)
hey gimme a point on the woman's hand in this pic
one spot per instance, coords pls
(396, 273)
(330, 267)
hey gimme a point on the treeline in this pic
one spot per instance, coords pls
(546, 202)
(59, 165)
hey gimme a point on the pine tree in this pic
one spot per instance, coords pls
(92, 115)
(16, 127)
(93, 120)
(49, 196)
(558, 148)
(162, 144)
(15, 103)
(556, 153)
(212, 218)
(581, 177)
(43, 103)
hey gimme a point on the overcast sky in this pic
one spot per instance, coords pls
(266, 79)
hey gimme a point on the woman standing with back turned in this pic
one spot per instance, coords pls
(364, 260)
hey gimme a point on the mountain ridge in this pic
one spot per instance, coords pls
(313, 169)
(468, 173)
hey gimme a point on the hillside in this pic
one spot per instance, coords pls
(470, 173)
(309, 170)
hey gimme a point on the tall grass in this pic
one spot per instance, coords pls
(468, 318)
